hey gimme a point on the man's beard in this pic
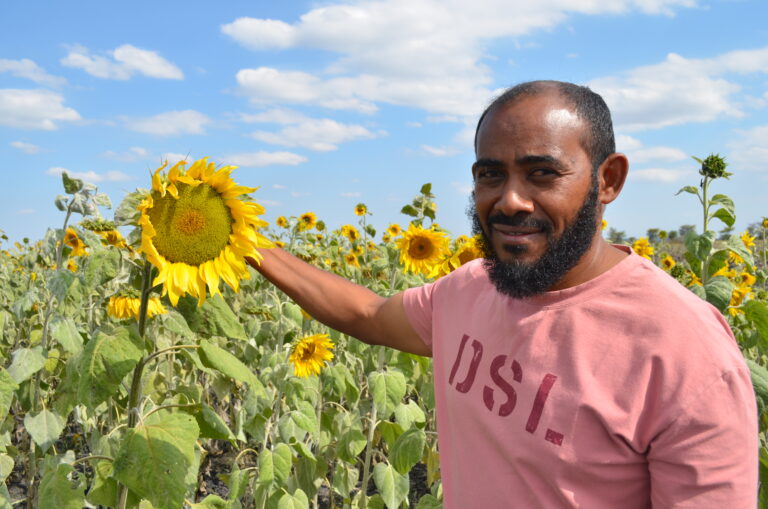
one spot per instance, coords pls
(520, 279)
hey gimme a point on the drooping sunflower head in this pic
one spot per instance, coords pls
(113, 238)
(360, 209)
(309, 354)
(421, 250)
(197, 228)
(307, 221)
(72, 240)
(125, 306)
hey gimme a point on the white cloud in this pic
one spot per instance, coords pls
(420, 53)
(679, 90)
(125, 61)
(278, 186)
(258, 159)
(133, 154)
(28, 69)
(316, 134)
(638, 153)
(27, 148)
(25, 212)
(659, 174)
(34, 109)
(274, 116)
(170, 123)
(750, 150)
(439, 151)
(90, 176)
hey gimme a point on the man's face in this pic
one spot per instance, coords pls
(535, 199)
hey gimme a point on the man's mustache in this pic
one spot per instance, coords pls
(521, 221)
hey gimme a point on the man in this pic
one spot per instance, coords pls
(568, 372)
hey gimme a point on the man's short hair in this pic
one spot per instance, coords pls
(598, 142)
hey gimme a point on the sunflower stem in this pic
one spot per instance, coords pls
(369, 446)
(135, 393)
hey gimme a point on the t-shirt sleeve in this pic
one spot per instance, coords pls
(418, 308)
(708, 456)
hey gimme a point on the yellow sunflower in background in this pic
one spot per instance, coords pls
(196, 229)
(126, 306)
(113, 238)
(737, 298)
(350, 232)
(421, 250)
(765, 222)
(668, 262)
(735, 258)
(394, 230)
(360, 209)
(71, 265)
(748, 240)
(72, 240)
(309, 354)
(282, 222)
(386, 238)
(467, 249)
(307, 221)
(351, 260)
(603, 224)
(643, 248)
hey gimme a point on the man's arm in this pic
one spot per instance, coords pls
(341, 304)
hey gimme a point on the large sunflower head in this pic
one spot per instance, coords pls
(309, 354)
(421, 250)
(197, 228)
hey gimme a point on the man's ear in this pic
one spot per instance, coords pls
(611, 176)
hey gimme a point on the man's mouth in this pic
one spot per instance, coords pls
(515, 233)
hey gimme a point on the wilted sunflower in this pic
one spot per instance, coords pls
(421, 250)
(350, 232)
(126, 306)
(72, 240)
(282, 222)
(309, 354)
(307, 221)
(360, 209)
(196, 229)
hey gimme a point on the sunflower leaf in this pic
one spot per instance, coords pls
(7, 387)
(26, 362)
(296, 501)
(71, 186)
(388, 390)
(64, 330)
(44, 428)
(56, 490)
(219, 359)
(406, 451)
(392, 485)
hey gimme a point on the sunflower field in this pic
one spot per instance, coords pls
(145, 365)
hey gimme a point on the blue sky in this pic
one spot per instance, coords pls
(325, 105)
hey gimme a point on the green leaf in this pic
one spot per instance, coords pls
(725, 216)
(102, 266)
(56, 490)
(44, 428)
(718, 291)
(389, 431)
(127, 212)
(345, 478)
(214, 317)
(275, 466)
(759, 381)
(60, 282)
(699, 245)
(296, 501)
(155, 456)
(688, 189)
(736, 245)
(407, 415)
(757, 313)
(407, 450)
(105, 361)
(64, 330)
(293, 313)
(409, 210)
(71, 186)
(219, 359)
(212, 425)
(429, 502)
(102, 200)
(212, 502)
(174, 322)
(351, 443)
(26, 362)
(725, 201)
(717, 261)
(426, 189)
(103, 489)
(392, 485)
(7, 387)
(388, 390)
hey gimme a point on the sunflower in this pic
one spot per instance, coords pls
(735, 258)
(71, 265)
(113, 238)
(668, 262)
(748, 240)
(307, 221)
(358, 250)
(196, 229)
(421, 250)
(309, 354)
(361, 209)
(394, 230)
(351, 260)
(603, 224)
(282, 222)
(737, 298)
(466, 250)
(643, 248)
(745, 279)
(694, 279)
(765, 222)
(72, 240)
(386, 238)
(126, 306)
(350, 232)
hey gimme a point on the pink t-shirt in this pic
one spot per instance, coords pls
(627, 391)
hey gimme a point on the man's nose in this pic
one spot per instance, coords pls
(514, 199)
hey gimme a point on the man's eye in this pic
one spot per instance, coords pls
(487, 173)
(543, 172)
